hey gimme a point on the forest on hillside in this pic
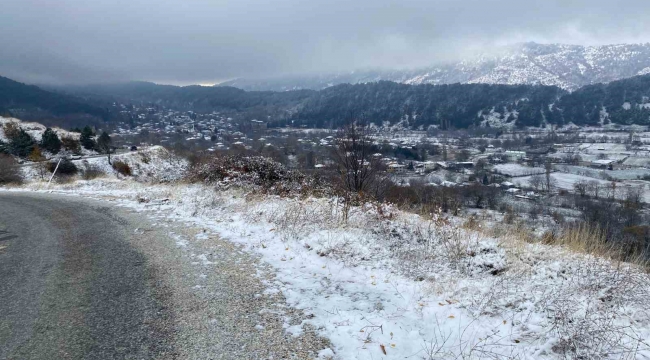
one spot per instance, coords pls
(446, 106)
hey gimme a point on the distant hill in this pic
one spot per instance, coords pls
(203, 98)
(446, 106)
(566, 66)
(414, 106)
(624, 101)
(33, 103)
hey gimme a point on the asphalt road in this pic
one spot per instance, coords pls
(83, 279)
(71, 287)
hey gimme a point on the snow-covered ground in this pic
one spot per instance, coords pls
(562, 180)
(34, 129)
(627, 174)
(511, 169)
(389, 284)
(153, 164)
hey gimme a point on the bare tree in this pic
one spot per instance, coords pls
(357, 166)
(537, 182)
(594, 188)
(548, 168)
(580, 187)
(633, 196)
(611, 191)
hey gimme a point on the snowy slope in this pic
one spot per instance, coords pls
(34, 129)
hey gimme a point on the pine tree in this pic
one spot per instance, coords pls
(21, 144)
(50, 141)
(86, 138)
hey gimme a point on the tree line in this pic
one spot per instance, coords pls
(414, 106)
(21, 144)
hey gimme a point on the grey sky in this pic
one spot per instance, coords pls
(206, 41)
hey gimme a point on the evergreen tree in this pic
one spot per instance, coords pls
(21, 144)
(87, 138)
(50, 141)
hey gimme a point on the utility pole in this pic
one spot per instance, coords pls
(54, 172)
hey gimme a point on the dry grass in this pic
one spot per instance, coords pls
(592, 240)
(90, 172)
(580, 238)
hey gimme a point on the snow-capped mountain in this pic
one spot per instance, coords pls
(566, 66)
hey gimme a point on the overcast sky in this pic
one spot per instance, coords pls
(207, 41)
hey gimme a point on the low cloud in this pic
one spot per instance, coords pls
(207, 41)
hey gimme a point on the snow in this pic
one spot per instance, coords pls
(411, 286)
(566, 181)
(155, 164)
(511, 169)
(562, 180)
(34, 129)
(627, 174)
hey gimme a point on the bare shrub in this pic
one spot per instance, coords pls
(254, 171)
(472, 223)
(584, 313)
(90, 172)
(145, 157)
(122, 168)
(71, 144)
(9, 170)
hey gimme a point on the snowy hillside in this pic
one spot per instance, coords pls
(34, 129)
(566, 66)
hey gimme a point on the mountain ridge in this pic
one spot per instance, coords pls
(566, 66)
(31, 102)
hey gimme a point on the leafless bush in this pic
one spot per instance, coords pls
(255, 171)
(585, 313)
(71, 144)
(145, 157)
(9, 170)
(122, 167)
(90, 172)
